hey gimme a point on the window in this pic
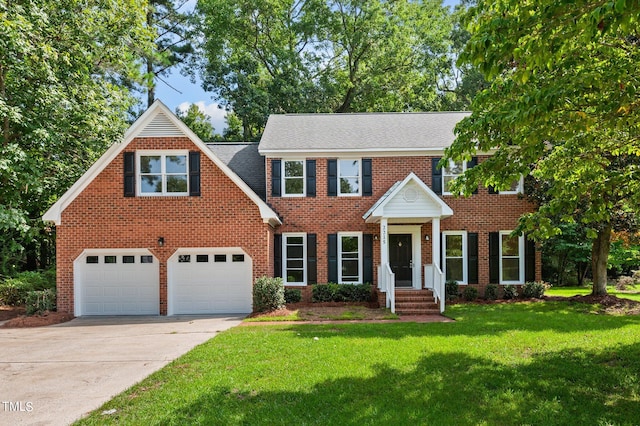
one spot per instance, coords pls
(237, 257)
(350, 257)
(128, 259)
(511, 258)
(293, 178)
(455, 256)
(92, 259)
(349, 177)
(219, 258)
(517, 187)
(146, 259)
(110, 259)
(450, 172)
(184, 258)
(202, 258)
(294, 249)
(163, 174)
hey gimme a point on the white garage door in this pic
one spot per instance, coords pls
(117, 282)
(209, 281)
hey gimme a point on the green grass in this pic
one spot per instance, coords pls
(632, 294)
(546, 363)
(294, 316)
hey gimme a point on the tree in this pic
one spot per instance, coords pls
(563, 105)
(278, 56)
(59, 106)
(197, 121)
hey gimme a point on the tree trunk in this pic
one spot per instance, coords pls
(599, 259)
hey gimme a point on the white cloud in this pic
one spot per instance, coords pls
(212, 110)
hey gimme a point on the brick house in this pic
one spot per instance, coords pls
(165, 224)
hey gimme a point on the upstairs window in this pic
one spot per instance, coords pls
(293, 181)
(163, 173)
(517, 187)
(349, 177)
(450, 172)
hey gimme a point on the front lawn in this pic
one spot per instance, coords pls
(519, 363)
(632, 294)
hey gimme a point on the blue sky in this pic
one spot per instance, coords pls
(188, 93)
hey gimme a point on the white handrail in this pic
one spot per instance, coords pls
(387, 284)
(438, 286)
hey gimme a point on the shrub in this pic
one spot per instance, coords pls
(333, 292)
(451, 290)
(534, 289)
(38, 280)
(13, 292)
(491, 292)
(39, 301)
(509, 292)
(292, 295)
(470, 293)
(268, 294)
(623, 282)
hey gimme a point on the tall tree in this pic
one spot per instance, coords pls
(197, 121)
(275, 56)
(564, 106)
(172, 44)
(59, 107)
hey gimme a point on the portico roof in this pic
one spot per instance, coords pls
(408, 201)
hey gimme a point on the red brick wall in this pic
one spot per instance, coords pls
(323, 215)
(101, 217)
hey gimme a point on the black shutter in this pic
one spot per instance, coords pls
(276, 175)
(332, 178)
(470, 164)
(129, 174)
(472, 258)
(312, 259)
(311, 178)
(277, 255)
(332, 255)
(194, 173)
(436, 176)
(367, 258)
(529, 261)
(494, 257)
(367, 178)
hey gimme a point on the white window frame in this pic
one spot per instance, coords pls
(519, 189)
(465, 255)
(359, 177)
(303, 177)
(520, 258)
(454, 175)
(163, 164)
(340, 259)
(285, 237)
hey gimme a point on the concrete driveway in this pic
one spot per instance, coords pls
(54, 375)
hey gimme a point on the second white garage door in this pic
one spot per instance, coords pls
(209, 281)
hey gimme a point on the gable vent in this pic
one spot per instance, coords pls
(161, 125)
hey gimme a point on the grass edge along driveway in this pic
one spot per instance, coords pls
(523, 363)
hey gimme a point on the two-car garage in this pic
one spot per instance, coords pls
(127, 282)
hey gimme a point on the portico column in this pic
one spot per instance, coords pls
(384, 242)
(435, 242)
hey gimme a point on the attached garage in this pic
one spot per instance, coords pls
(209, 281)
(117, 282)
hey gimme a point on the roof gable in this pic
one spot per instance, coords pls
(156, 121)
(408, 200)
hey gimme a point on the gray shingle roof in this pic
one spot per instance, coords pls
(359, 132)
(245, 161)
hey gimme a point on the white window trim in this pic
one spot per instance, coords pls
(284, 177)
(350, 234)
(444, 174)
(519, 189)
(285, 236)
(163, 154)
(359, 193)
(520, 258)
(465, 255)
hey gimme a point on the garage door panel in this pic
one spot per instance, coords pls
(118, 288)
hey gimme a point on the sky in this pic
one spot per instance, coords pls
(182, 92)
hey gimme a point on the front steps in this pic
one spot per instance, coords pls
(416, 302)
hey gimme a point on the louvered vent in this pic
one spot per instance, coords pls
(161, 126)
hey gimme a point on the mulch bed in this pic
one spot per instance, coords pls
(16, 318)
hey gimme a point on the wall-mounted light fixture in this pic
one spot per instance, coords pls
(375, 237)
(426, 238)
(161, 241)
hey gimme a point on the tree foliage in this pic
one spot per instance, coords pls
(197, 121)
(563, 104)
(277, 56)
(59, 106)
